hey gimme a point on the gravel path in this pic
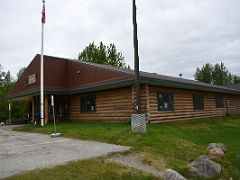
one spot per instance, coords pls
(134, 162)
(20, 152)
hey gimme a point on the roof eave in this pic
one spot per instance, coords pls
(171, 84)
(88, 89)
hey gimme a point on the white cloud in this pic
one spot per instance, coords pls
(174, 36)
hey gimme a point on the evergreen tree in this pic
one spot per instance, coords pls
(6, 84)
(217, 74)
(2, 76)
(20, 72)
(19, 109)
(236, 79)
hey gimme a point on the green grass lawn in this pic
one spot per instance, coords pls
(169, 145)
(94, 169)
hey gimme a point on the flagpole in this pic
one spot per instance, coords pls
(41, 68)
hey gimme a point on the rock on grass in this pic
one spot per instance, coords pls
(217, 145)
(204, 167)
(170, 174)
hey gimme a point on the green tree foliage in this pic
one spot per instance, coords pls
(20, 72)
(18, 109)
(236, 79)
(217, 74)
(220, 75)
(204, 74)
(102, 54)
(6, 84)
(2, 76)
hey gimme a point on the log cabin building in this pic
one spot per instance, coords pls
(87, 91)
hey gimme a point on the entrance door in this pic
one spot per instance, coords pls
(61, 105)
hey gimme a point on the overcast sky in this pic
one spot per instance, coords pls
(175, 36)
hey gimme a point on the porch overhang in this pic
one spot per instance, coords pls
(87, 89)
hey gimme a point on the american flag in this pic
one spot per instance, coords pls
(43, 13)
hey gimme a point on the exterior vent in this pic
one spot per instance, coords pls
(138, 123)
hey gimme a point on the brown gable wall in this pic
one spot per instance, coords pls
(55, 77)
(82, 75)
(63, 75)
(55, 72)
(20, 87)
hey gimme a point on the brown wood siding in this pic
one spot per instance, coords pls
(64, 75)
(183, 105)
(111, 105)
(144, 99)
(233, 104)
(90, 75)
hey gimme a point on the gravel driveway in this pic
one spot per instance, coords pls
(21, 152)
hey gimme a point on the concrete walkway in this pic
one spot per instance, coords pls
(20, 152)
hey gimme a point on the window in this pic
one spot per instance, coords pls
(165, 102)
(198, 102)
(88, 104)
(219, 102)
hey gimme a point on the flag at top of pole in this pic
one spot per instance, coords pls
(43, 13)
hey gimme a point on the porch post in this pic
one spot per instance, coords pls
(9, 109)
(46, 108)
(33, 110)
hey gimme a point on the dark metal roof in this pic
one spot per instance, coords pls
(67, 76)
(175, 82)
(234, 86)
(62, 78)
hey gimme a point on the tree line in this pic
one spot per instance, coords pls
(216, 74)
(18, 109)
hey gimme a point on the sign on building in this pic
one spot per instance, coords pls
(32, 79)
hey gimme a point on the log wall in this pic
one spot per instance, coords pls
(233, 104)
(118, 105)
(111, 105)
(183, 105)
(145, 109)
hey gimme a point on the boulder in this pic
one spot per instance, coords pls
(204, 167)
(216, 153)
(170, 174)
(217, 145)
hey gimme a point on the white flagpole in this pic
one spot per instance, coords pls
(41, 72)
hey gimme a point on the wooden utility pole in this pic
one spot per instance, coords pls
(136, 60)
